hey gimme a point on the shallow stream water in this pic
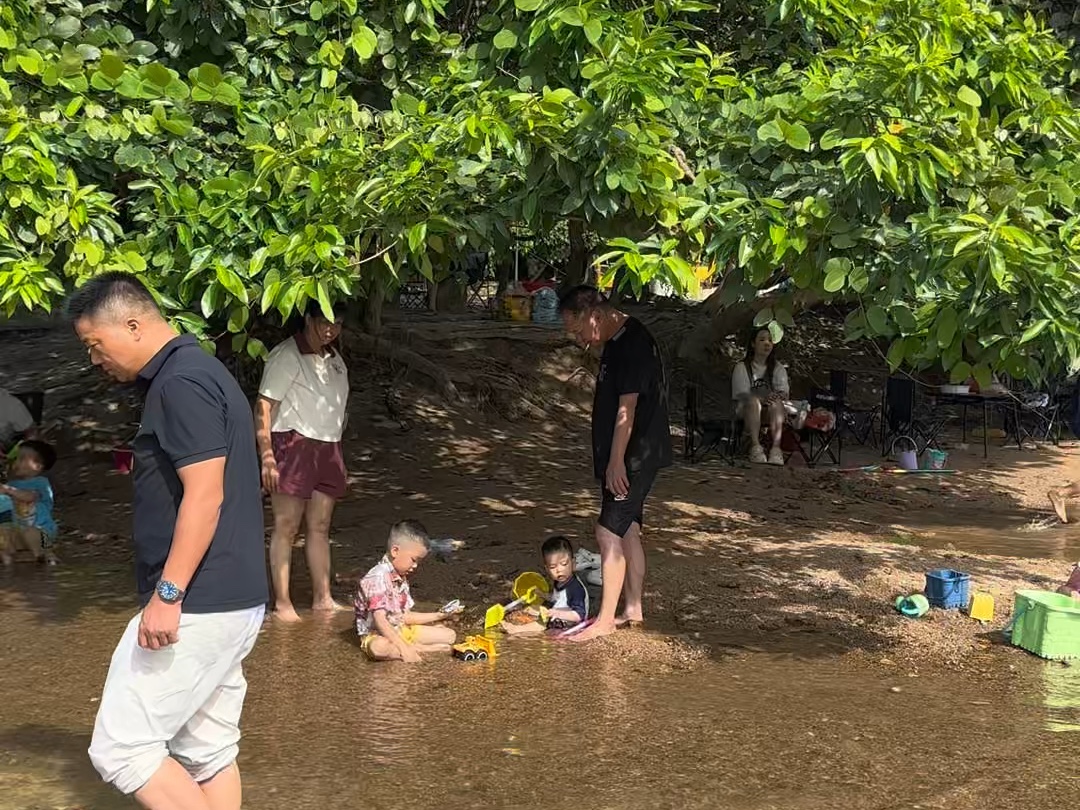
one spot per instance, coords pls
(548, 725)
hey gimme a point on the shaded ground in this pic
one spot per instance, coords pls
(766, 677)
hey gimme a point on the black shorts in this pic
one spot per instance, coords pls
(618, 516)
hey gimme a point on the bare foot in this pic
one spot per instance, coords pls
(626, 620)
(1057, 500)
(594, 630)
(286, 614)
(329, 606)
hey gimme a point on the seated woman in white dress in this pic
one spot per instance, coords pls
(759, 386)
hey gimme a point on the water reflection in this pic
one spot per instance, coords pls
(1062, 697)
(1034, 539)
(544, 725)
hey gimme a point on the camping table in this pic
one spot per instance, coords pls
(987, 402)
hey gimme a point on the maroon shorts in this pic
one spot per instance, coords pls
(308, 465)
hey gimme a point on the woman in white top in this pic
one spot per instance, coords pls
(760, 384)
(299, 418)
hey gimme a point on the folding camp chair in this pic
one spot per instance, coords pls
(853, 422)
(899, 417)
(704, 436)
(476, 278)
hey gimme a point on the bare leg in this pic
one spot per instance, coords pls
(635, 575)
(1060, 497)
(172, 788)
(223, 791)
(751, 415)
(613, 568)
(320, 509)
(776, 422)
(288, 511)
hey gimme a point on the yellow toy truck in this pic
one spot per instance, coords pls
(474, 648)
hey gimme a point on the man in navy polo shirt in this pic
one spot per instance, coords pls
(168, 725)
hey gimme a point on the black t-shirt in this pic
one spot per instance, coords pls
(194, 410)
(631, 364)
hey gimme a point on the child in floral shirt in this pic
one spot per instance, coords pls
(388, 627)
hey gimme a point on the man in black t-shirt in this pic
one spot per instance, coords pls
(631, 443)
(167, 727)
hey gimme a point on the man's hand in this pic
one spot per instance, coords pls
(159, 624)
(270, 475)
(615, 479)
(409, 654)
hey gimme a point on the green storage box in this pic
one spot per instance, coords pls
(1047, 624)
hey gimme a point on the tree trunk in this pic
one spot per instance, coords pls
(577, 265)
(407, 357)
(722, 323)
(504, 269)
(373, 308)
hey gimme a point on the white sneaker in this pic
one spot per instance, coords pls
(757, 455)
(776, 456)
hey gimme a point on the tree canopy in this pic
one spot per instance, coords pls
(917, 158)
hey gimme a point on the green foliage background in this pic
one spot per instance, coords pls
(916, 157)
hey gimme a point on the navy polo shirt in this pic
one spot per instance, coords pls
(194, 410)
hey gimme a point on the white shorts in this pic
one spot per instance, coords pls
(182, 701)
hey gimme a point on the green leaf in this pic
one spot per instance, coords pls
(505, 39)
(998, 269)
(316, 10)
(895, 357)
(776, 331)
(324, 302)
(747, 249)
(960, 373)
(904, 319)
(228, 279)
(965, 95)
(157, 74)
(966, 241)
(770, 131)
(364, 42)
(574, 15)
(878, 320)
(30, 63)
(831, 139)
(256, 348)
(836, 271)
(66, 27)
(593, 31)
(528, 5)
(207, 74)
(763, 316)
(238, 318)
(1034, 330)
(946, 327)
(797, 137)
(112, 66)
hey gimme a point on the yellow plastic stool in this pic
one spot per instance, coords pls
(982, 607)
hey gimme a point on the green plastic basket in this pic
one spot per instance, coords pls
(1047, 624)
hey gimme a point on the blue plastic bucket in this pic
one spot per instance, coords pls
(946, 588)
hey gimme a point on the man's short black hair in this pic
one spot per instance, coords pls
(108, 290)
(556, 545)
(582, 298)
(43, 450)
